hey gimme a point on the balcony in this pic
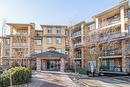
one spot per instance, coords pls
(76, 34)
(108, 22)
(20, 33)
(19, 45)
(112, 36)
(111, 53)
(77, 44)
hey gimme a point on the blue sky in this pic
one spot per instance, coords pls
(52, 11)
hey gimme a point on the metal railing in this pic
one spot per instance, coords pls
(109, 22)
(111, 68)
(77, 44)
(111, 53)
(19, 44)
(78, 33)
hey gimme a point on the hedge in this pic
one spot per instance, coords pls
(19, 75)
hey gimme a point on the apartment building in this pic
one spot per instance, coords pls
(102, 44)
(77, 41)
(24, 41)
(111, 34)
(18, 45)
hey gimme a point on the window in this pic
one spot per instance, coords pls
(49, 40)
(58, 50)
(58, 30)
(49, 30)
(39, 33)
(92, 26)
(129, 13)
(38, 42)
(66, 52)
(129, 45)
(7, 41)
(129, 62)
(92, 50)
(58, 40)
(38, 51)
(7, 52)
(129, 30)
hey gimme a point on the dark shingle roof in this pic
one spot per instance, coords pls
(50, 54)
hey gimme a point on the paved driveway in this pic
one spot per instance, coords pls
(123, 81)
(51, 79)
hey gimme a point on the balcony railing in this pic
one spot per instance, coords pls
(111, 53)
(77, 44)
(54, 33)
(112, 36)
(111, 68)
(20, 33)
(78, 33)
(109, 22)
(19, 44)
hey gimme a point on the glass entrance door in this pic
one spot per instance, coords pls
(53, 65)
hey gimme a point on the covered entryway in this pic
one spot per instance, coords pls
(53, 65)
(50, 61)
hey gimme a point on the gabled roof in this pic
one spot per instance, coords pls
(50, 54)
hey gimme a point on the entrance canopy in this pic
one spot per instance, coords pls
(50, 54)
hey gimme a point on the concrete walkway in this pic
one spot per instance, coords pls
(51, 79)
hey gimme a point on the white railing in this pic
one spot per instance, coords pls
(78, 33)
(109, 22)
(77, 44)
(20, 33)
(112, 36)
(19, 44)
(63, 33)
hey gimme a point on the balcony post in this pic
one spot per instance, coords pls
(82, 33)
(2, 52)
(97, 26)
(122, 19)
(29, 40)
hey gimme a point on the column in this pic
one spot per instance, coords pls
(11, 51)
(98, 65)
(122, 19)
(29, 41)
(38, 62)
(82, 34)
(124, 59)
(2, 52)
(97, 26)
(43, 65)
(82, 57)
(62, 65)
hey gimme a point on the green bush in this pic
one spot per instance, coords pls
(80, 71)
(19, 75)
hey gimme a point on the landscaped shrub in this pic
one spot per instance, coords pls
(19, 75)
(80, 71)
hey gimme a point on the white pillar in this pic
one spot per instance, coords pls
(122, 19)
(38, 62)
(29, 41)
(11, 42)
(62, 65)
(97, 23)
(82, 34)
(2, 51)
